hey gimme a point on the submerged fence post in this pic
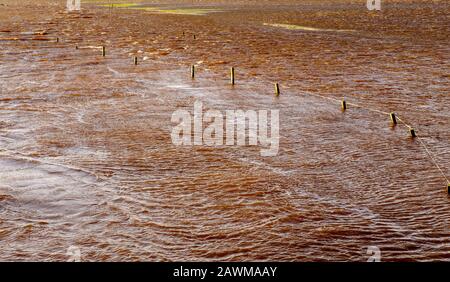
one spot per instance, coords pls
(412, 132)
(232, 76)
(277, 89)
(103, 51)
(193, 71)
(343, 105)
(135, 61)
(393, 118)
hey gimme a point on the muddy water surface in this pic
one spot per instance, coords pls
(87, 160)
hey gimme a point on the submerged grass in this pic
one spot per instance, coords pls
(187, 11)
(306, 28)
(178, 11)
(120, 5)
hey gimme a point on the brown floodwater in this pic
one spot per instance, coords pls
(87, 159)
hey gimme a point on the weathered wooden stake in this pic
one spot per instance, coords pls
(135, 61)
(412, 132)
(232, 76)
(193, 71)
(103, 51)
(277, 89)
(393, 118)
(448, 189)
(57, 39)
(344, 105)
